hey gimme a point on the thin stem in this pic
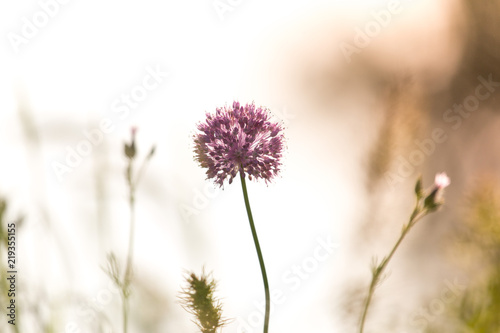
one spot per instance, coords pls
(128, 268)
(143, 168)
(259, 252)
(125, 311)
(377, 271)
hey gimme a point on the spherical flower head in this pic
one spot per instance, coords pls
(239, 138)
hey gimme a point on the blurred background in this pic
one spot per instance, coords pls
(372, 94)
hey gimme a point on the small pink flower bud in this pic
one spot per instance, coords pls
(129, 149)
(441, 181)
(435, 198)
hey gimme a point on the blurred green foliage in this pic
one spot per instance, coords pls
(478, 310)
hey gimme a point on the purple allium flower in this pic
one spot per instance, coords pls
(239, 138)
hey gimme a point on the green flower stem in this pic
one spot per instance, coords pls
(128, 268)
(259, 252)
(418, 213)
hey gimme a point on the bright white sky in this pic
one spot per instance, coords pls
(73, 70)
